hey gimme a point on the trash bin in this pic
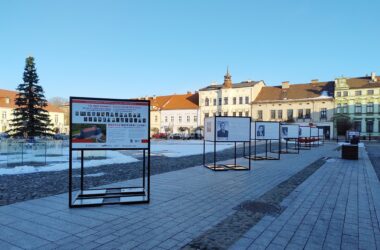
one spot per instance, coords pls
(350, 152)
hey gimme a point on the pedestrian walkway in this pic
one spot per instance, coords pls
(338, 207)
(186, 203)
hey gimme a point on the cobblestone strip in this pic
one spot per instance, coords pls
(249, 213)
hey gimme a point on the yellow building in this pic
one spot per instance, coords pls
(7, 104)
(300, 103)
(359, 99)
(228, 99)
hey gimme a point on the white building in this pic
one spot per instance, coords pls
(7, 104)
(175, 113)
(228, 99)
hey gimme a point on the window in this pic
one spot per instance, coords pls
(308, 113)
(220, 101)
(195, 118)
(345, 108)
(358, 126)
(156, 118)
(338, 94)
(279, 114)
(358, 92)
(4, 115)
(300, 114)
(339, 108)
(207, 102)
(233, 113)
(206, 115)
(219, 113)
(240, 114)
(246, 113)
(188, 118)
(179, 119)
(358, 108)
(370, 107)
(172, 118)
(225, 113)
(323, 113)
(234, 101)
(259, 114)
(214, 102)
(370, 92)
(247, 100)
(369, 126)
(225, 100)
(345, 93)
(240, 100)
(290, 114)
(166, 119)
(56, 119)
(273, 114)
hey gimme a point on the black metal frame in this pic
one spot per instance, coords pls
(307, 146)
(224, 167)
(114, 195)
(295, 139)
(256, 157)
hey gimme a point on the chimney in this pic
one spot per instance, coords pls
(373, 77)
(285, 85)
(154, 97)
(189, 92)
(314, 82)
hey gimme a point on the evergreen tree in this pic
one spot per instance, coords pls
(30, 116)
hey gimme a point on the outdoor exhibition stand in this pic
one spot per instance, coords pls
(222, 129)
(268, 132)
(109, 124)
(305, 138)
(314, 135)
(290, 134)
(321, 136)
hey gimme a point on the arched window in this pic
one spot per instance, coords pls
(207, 102)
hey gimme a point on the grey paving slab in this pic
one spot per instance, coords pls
(184, 204)
(334, 208)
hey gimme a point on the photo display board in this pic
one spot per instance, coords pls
(226, 128)
(109, 124)
(305, 131)
(289, 131)
(320, 132)
(265, 130)
(314, 131)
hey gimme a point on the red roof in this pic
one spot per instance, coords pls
(5, 94)
(171, 102)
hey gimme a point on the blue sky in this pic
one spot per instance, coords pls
(125, 48)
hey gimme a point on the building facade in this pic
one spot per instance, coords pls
(310, 103)
(174, 113)
(7, 104)
(359, 99)
(228, 99)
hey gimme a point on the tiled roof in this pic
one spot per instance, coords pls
(296, 91)
(363, 82)
(171, 102)
(235, 85)
(4, 94)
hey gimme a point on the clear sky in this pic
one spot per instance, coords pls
(125, 48)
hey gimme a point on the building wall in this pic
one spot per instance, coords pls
(6, 115)
(174, 119)
(229, 109)
(155, 121)
(348, 102)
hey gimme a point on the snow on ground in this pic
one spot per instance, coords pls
(178, 148)
(113, 157)
(168, 148)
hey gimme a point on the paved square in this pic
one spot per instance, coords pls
(337, 206)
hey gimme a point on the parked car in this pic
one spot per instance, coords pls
(175, 136)
(195, 136)
(160, 136)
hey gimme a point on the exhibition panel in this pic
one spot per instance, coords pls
(109, 124)
(269, 133)
(290, 134)
(305, 137)
(226, 129)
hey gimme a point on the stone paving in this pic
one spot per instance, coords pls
(336, 206)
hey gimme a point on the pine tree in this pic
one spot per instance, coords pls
(30, 116)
